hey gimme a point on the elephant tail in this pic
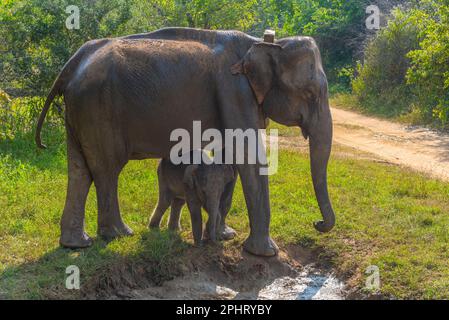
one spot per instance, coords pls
(63, 78)
(55, 91)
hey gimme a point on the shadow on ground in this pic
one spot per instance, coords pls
(103, 271)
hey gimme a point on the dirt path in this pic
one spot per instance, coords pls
(415, 147)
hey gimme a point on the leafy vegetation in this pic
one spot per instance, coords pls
(405, 71)
(429, 73)
(381, 82)
(35, 42)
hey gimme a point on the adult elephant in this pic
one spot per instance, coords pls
(124, 96)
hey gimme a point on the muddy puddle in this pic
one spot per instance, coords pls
(239, 276)
(307, 285)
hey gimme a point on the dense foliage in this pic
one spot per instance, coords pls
(403, 68)
(35, 42)
(406, 66)
(381, 79)
(429, 73)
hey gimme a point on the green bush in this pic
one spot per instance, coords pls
(18, 117)
(429, 71)
(406, 67)
(35, 44)
(381, 84)
(338, 26)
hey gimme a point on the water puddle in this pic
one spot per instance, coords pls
(307, 285)
(304, 287)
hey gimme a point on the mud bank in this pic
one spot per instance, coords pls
(237, 275)
(307, 285)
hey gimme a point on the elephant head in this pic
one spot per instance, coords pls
(289, 83)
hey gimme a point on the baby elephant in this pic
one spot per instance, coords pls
(201, 186)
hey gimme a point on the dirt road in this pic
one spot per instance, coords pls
(414, 147)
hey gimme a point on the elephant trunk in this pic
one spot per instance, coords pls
(320, 144)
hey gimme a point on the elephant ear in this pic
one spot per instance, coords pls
(259, 65)
(189, 175)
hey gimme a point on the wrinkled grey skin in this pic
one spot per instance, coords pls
(124, 96)
(201, 186)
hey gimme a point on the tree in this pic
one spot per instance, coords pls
(36, 43)
(429, 72)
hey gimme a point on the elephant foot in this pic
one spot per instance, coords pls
(75, 240)
(261, 246)
(199, 243)
(154, 225)
(322, 227)
(206, 236)
(111, 232)
(228, 233)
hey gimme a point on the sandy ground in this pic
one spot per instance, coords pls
(418, 148)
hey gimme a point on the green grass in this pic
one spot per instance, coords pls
(344, 101)
(386, 216)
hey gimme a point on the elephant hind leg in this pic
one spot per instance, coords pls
(106, 158)
(79, 182)
(110, 223)
(164, 201)
(174, 223)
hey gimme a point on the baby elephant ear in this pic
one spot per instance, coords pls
(189, 174)
(237, 68)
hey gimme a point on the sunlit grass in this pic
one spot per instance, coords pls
(386, 216)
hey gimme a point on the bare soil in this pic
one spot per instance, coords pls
(418, 148)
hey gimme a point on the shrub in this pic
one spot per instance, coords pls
(381, 84)
(429, 71)
(406, 67)
(18, 117)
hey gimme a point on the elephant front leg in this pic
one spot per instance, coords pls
(194, 205)
(80, 180)
(226, 232)
(211, 226)
(255, 188)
